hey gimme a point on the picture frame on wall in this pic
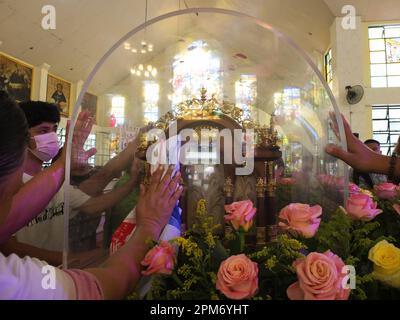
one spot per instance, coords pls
(59, 93)
(15, 78)
(89, 103)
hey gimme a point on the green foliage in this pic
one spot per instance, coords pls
(201, 251)
(335, 235)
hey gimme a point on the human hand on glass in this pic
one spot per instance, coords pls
(79, 157)
(158, 199)
(358, 155)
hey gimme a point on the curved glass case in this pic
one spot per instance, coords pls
(198, 72)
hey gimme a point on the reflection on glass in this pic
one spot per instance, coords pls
(198, 66)
(246, 93)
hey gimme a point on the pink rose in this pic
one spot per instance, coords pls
(386, 190)
(301, 218)
(240, 214)
(320, 277)
(287, 181)
(362, 207)
(160, 259)
(237, 277)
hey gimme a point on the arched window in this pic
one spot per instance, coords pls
(196, 67)
(246, 93)
(151, 92)
(118, 109)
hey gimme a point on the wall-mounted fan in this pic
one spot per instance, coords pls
(354, 94)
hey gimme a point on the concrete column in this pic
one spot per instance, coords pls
(76, 88)
(40, 74)
(349, 66)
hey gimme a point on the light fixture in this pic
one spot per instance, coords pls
(148, 71)
(145, 46)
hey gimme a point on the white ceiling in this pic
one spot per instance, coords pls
(369, 10)
(87, 28)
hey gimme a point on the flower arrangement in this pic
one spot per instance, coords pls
(354, 254)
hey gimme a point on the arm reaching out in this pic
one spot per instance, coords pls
(96, 184)
(34, 196)
(105, 201)
(358, 156)
(122, 270)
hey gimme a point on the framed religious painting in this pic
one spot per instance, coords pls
(15, 78)
(59, 93)
(89, 103)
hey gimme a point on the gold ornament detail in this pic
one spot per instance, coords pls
(260, 188)
(270, 175)
(205, 108)
(267, 136)
(261, 236)
(228, 187)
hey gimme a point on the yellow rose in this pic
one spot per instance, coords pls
(386, 259)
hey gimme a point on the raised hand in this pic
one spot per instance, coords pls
(79, 157)
(358, 155)
(157, 201)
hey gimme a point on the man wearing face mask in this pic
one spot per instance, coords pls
(43, 236)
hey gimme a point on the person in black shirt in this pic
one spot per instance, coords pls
(368, 180)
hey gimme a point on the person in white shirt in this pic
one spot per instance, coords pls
(30, 278)
(42, 237)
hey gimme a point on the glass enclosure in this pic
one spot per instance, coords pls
(212, 54)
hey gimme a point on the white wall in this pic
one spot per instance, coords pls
(350, 50)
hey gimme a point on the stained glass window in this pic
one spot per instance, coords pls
(384, 45)
(386, 126)
(328, 68)
(246, 93)
(287, 103)
(198, 66)
(118, 109)
(151, 92)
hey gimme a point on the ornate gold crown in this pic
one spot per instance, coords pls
(204, 108)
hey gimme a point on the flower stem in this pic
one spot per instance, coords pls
(177, 280)
(241, 240)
